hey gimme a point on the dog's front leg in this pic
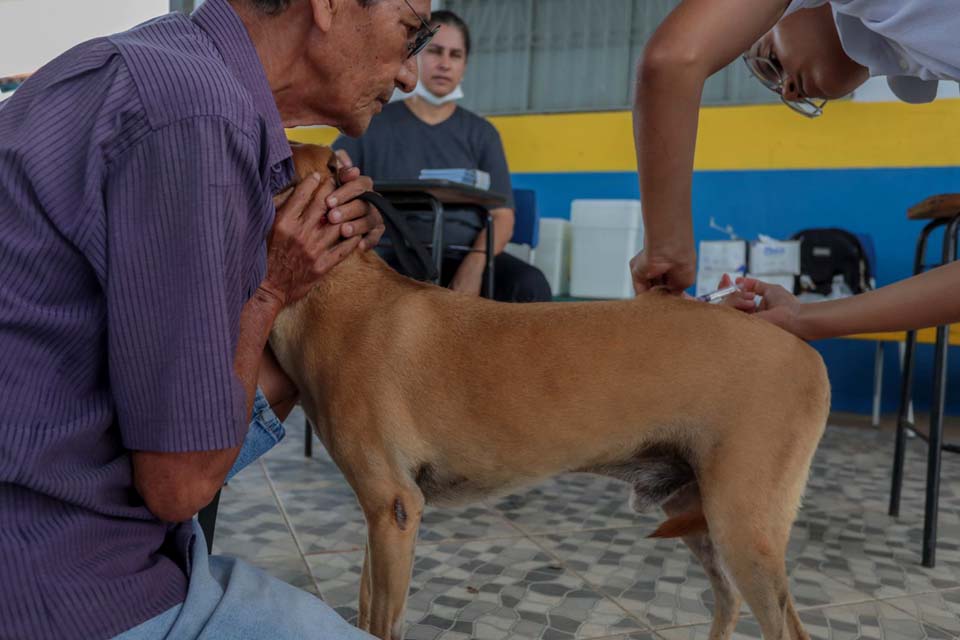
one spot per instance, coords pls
(366, 589)
(393, 517)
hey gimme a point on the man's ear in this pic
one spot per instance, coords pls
(323, 11)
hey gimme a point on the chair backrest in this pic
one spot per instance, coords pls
(526, 227)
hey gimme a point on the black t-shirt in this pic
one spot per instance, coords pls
(398, 145)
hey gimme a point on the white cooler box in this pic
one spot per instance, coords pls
(606, 235)
(552, 256)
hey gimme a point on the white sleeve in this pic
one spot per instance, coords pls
(796, 5)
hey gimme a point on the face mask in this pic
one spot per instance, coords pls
(434, 99)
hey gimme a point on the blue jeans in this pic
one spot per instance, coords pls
(229, 599)
(265, 432)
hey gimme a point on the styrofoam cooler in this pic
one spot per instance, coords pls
(606, 235)
(552, 255)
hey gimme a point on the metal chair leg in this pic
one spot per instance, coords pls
(905, 412)
(900, 448)
(935, 440)
(877, 383)
(307, 440)
(488, 283)
(935, 450)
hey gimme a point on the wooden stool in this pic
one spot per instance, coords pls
(943, 211)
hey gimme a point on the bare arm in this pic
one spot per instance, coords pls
(469, 276)
(697, 39)
(925, 300)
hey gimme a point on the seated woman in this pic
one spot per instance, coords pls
(429, 131)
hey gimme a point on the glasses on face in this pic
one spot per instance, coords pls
(770, 76)
(424, 34)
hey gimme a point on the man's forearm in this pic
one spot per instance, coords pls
(256, 320)
(927, 300)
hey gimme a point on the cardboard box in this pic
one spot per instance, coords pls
(723, 255)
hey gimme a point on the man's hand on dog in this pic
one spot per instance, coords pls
(302, 246)
(358, 217)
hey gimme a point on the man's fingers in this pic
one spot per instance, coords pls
(349, 190)
(348, 174)
(346, 162)
(353, 211)
(314, 212)
(372, 239)
(301, 197)
(335, 255)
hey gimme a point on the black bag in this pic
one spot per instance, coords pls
(825, 253)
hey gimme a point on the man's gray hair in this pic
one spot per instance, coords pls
(274, 7)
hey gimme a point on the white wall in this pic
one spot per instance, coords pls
(36, 31)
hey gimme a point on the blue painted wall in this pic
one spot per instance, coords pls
(781, 202)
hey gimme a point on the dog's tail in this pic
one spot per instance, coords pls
(684, 524)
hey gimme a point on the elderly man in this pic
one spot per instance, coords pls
(136, 181)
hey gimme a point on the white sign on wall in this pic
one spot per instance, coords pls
(36, 31)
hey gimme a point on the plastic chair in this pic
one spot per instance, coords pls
(526, 226)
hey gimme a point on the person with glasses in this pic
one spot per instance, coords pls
(429, 130)
(807, 51)
(143, 264)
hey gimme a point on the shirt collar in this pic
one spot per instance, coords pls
(230, 36)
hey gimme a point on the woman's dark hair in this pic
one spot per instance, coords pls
(449, 18)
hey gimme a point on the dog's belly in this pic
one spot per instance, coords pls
(446, 488)
(653, 473)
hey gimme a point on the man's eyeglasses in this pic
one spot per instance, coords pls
(424, 34)
(769, 75)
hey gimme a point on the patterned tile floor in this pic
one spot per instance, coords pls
(568, 560)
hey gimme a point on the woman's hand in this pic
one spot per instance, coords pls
(777, 306)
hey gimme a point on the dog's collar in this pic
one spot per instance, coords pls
(414, 259)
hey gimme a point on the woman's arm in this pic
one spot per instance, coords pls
(927, 300)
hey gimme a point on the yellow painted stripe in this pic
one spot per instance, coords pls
(849, 135)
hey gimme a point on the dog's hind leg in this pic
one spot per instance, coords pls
(750, 531)
(727, 599)
(393, 512)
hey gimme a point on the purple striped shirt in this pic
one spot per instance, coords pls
(136, 175)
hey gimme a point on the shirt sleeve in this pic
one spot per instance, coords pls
(494, 161)
(184, 208)
(353, 148)
(796, 5)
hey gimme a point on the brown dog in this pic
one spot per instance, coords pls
(425, 396)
